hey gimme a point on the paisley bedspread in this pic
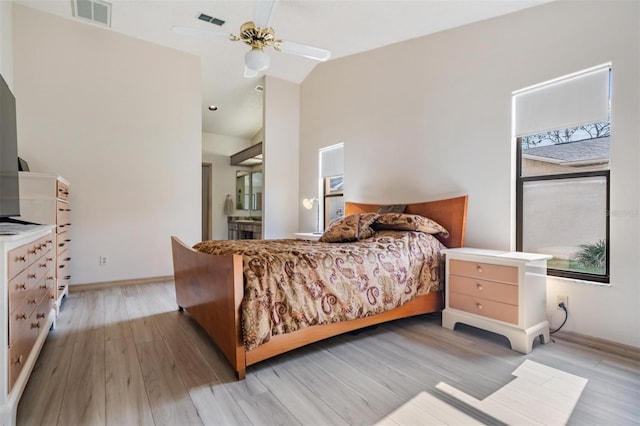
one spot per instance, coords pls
(292, 284)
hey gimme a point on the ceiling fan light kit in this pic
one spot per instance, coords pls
(259, 35)
(257, 60)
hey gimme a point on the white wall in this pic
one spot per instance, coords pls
(6, 42)
(281, 151)
(120, 119)
(217, 149)
(431, 118)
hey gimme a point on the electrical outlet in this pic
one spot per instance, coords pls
(563, 299)
(104, 260)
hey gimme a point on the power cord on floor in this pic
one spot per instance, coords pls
(562, 306)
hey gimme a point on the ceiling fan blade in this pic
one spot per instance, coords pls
(305, 51)
(249, 73)
(263, 13)
(201, 33)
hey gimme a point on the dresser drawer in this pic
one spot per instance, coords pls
(26, 280)
(499, 292)
(485, 271)
(62, 190)
(18, 354)
(63, 263)
(63, 215)
(484, 307)
(63, 240)
(19, 325)
(26, 322)
(17, 260)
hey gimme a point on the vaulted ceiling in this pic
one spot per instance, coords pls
(345, 27)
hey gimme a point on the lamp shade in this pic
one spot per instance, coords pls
(257, 60)
(308, 203)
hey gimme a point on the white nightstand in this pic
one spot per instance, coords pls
(311, 236)
(502, 292)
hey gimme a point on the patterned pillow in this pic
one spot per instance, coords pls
(350, 228)
(409, 222)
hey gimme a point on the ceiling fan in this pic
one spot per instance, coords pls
(258, 34)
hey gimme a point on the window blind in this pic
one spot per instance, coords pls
(332, 161)
(567, 102)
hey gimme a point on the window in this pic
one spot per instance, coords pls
(332, 182)
(563, 135)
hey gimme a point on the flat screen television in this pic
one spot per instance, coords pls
(9, 189)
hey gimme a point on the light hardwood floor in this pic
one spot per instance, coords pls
(126, 356)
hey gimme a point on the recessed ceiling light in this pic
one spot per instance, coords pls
(213, 108)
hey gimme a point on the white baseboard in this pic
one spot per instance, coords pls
(107, 284)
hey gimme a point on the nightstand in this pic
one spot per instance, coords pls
(502, 292)
(310, 236)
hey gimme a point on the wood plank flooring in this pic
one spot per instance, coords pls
(126, 356)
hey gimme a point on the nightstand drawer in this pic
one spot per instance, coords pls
(504, 293)
(485, 271)
(484, 307)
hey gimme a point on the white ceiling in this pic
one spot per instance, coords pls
(344, 27)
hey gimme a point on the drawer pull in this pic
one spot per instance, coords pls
(479, 286)
(22, 316)
(67, 277)
(67, 259)
(479, 268)
(61, 266)
(42, 265)
(49, 259)
(479, 306)
(40, 316)
(31, 276)
(32, 251)
(52, 297)
(49, 278)
(35, 325)
(21, 258)
(19, 360)
(31, 301)
(21, 286)
(43, 287)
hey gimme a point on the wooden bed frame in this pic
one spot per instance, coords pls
(211, 288)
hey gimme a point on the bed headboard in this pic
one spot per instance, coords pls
(450, 213)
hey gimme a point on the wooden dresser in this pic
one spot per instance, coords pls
(44, 199)
(27, 307)
(502, 292)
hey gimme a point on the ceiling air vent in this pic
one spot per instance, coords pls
(210, 19)
(96, 11)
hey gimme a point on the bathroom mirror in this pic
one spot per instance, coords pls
(249, 190)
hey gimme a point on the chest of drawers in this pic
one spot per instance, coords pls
(44, 198)
(502, 292)
(27, 290)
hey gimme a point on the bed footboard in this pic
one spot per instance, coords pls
(210, 288)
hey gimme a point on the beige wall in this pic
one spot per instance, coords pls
(120, 119)
(6, 41)
(281, 142)
(431, 118)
